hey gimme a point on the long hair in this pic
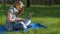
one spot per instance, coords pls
(19, 3)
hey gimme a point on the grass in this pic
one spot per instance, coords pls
(49, 16)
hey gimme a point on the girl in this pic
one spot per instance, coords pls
(12, 21)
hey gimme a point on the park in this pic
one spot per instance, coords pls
(45, 12)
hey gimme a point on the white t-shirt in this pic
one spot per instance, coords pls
(13, 10)
(9, 25)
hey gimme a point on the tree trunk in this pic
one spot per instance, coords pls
(28, 3)
(49, 2)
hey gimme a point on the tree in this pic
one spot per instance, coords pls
(49, 2)
(4, 2)
(28, 3)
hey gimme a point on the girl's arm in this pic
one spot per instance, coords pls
(20, 19)
(9, 17)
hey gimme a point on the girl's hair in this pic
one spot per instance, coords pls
(19, 3)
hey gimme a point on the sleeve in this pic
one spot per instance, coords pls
(11, 10)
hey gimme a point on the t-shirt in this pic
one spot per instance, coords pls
(9, 25)
(13, 10)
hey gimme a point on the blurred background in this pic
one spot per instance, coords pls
(46, 12)
(32, 2)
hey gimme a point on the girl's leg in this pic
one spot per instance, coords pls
(9, 26)
(26, 23)
(23, 24)
(19, 25)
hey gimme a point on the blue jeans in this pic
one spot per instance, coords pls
(17, 24)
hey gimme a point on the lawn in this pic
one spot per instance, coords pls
(47, 15)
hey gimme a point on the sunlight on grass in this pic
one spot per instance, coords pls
(52, 24)
(2, 20)
(48, 16)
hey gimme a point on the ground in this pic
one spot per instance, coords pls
(47, 15)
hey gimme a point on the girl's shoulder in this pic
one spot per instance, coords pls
(11, 9)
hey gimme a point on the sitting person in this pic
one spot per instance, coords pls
(12, 20)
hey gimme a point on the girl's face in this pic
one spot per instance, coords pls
(19, 6)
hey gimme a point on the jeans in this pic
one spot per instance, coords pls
(17, 24)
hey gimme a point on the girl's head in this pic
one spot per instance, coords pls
(19, 6)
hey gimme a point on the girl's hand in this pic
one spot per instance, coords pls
(20, 19)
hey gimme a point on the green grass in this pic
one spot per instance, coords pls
(49, 16)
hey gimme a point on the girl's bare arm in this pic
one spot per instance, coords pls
(9, 17)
